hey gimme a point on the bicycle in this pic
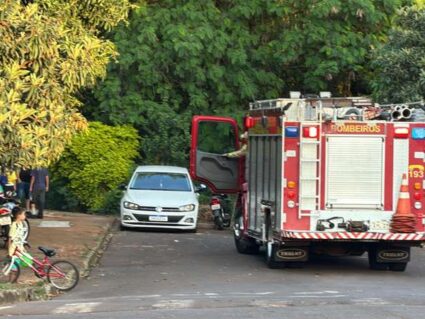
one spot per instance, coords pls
(62, 274)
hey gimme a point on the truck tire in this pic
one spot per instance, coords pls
(398, 266)
(373, 264)
(350, 112)
(246, 246)
(270, 260)
(295, 264)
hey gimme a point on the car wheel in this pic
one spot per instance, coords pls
(122, 227)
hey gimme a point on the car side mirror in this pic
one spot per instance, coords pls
(201, 188)
(122, 187)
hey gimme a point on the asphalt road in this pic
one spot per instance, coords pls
(182, 275)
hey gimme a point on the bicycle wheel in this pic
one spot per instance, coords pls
(63, 275)
(26, 226)
(10, 273)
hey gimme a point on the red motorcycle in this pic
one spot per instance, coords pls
(8, 205)
(220, 209)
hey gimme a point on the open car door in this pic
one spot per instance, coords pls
(212, 137)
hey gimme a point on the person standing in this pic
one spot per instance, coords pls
(38, 187)
(24, 181)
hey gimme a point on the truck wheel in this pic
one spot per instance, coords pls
(295, 264)
(398, 266)
(270, 261)
(373, 264)
(246, 246)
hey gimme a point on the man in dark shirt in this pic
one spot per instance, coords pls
(38, 187)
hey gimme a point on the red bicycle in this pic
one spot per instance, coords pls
(62, 274)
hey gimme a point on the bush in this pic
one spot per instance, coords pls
(92, 167)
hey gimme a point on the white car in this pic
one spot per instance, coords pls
(160, 197)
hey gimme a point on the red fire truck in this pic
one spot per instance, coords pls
(321, 176)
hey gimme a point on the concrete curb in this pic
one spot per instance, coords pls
(94, 255)
(46, 291)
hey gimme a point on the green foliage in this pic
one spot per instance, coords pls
(400, 64)
(95, 163)
(49, 50)
(180, 58)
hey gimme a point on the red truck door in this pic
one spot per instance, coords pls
(212, 137)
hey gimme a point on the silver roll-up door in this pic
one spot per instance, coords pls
(354, 172)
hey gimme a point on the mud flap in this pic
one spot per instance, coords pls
(284, 256)
(393, 258)
(393, 255)
(291, 254)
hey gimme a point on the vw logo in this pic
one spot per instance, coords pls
(158, 209)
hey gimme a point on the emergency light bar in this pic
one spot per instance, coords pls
(291, 131)
(249, 122)
(418, 133)
(401, 132)
(310, 131)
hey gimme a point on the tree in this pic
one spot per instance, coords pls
(94, 164)
(49, 50)
(326, 45)
(400, 64)
(179, 58)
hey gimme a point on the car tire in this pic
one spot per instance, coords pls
(122, 227)
(193, 231)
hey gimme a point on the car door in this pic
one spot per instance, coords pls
(212, 137)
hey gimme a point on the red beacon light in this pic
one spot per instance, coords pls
(401, 132)
(310, 131)
(249, 122)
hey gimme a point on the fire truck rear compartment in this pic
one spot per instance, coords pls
(354, 172)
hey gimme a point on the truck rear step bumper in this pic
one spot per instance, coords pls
(353, 236)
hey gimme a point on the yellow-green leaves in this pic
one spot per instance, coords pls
(96, 162)
(49, 50)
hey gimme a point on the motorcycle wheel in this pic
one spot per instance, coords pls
(27, 228)
(218, 221)
(4, 234)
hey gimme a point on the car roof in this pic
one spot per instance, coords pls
(162, 169)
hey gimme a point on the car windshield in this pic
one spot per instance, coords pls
(161, 181)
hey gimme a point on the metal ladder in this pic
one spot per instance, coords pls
(310, 166)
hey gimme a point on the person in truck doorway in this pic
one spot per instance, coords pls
(38, 187)
(243, 150)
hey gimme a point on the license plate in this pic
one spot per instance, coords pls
(215, 206)
(158, 218)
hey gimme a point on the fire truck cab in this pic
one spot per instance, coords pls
(322, 176)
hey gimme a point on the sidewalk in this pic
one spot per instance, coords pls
(76, 237)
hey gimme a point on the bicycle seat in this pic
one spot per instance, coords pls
(47, 251)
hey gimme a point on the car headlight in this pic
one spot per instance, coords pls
(187, 208)
(131, 205)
